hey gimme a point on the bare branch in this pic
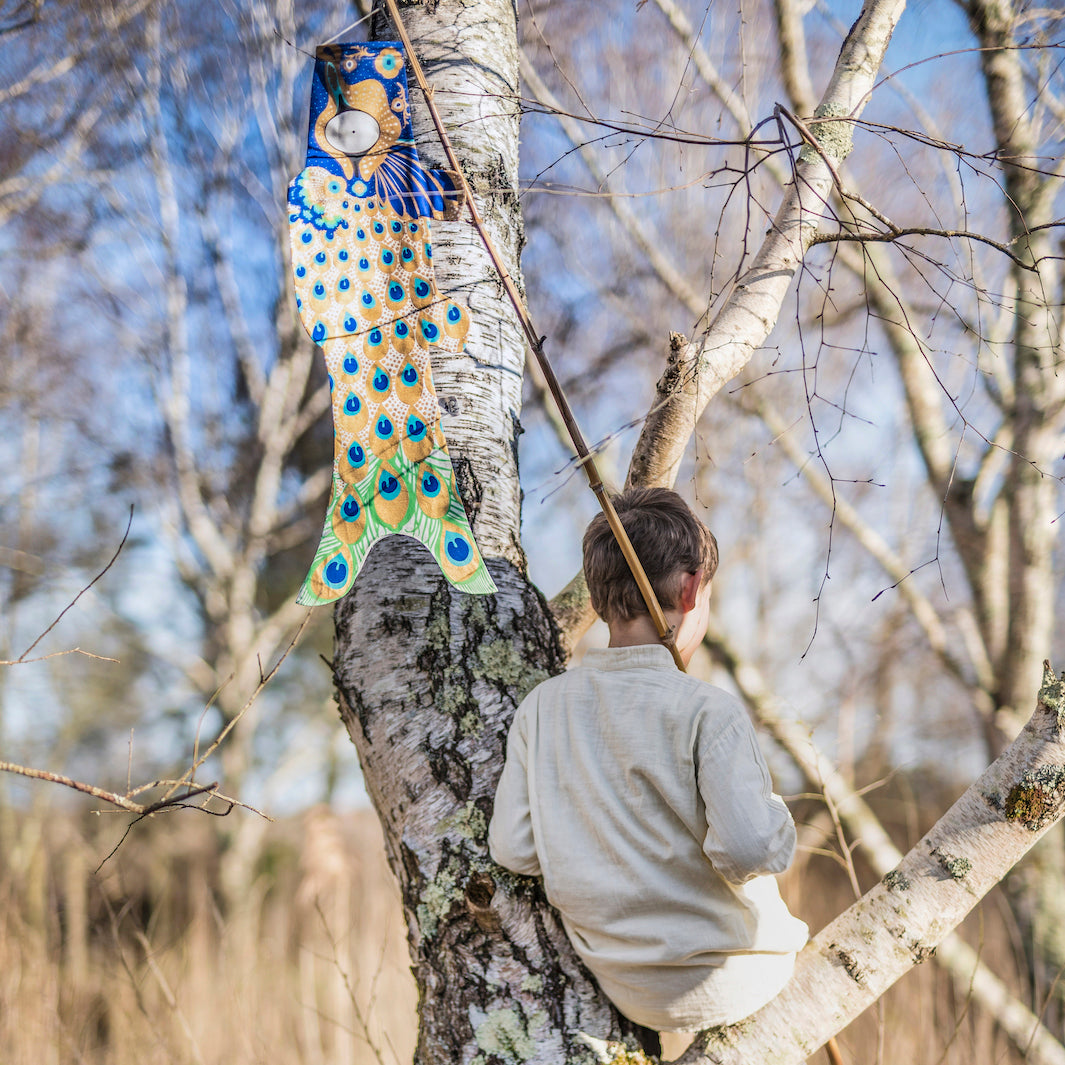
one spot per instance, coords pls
(23, 657)
(651, 248)
(899, 573)
(190, 774)
(897, 232)
(953, 954)
(902, 920)
(751, 309)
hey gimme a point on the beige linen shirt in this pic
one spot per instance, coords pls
(640, 795)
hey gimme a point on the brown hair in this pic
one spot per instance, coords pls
(669, 540)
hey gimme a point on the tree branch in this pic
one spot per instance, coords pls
(969, 974)
(752, 308)
(901, 921)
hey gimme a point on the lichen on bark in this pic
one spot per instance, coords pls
(1036, 799)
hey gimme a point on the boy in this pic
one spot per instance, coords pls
(640, 795)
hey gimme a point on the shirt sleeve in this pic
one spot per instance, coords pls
(510, 832)
(749, 829)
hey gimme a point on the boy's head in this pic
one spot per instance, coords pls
(669, 540)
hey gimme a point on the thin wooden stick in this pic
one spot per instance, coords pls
(666, 632)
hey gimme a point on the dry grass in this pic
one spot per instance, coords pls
(149, 962)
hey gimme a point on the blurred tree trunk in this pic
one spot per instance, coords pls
(225, 520)
(1017, 618)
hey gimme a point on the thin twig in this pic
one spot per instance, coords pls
(190, 773)
(125, 536)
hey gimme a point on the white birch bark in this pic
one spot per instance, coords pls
(752, 308)
(970, 975)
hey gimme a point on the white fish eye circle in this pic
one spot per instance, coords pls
(353, 132)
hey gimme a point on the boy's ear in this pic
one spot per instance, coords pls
(690, 585)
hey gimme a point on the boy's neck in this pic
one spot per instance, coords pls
(688, 619)
(636, 631)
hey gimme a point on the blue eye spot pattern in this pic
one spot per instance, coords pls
(401, 330)
(430, 332)
(352, 405)
(350, 509)
(431, 484)
(410, 375)
(343, 284)
(356, 455)
(458, 549)
(388, 485)
(407, 255)
(319, 290)
(318, 333)
(320, 258)
(351, 364)
(387, 258)
(301, 271)
(397, 226)
(375, 337)
(307, 238)
(350, 324)
(332, 383)
(415, 427)
(381, 380)
(395, 292)
(453, 313)
(378, 228)
(336, 572)
(342, 255)
(421, 289)
(383, 428)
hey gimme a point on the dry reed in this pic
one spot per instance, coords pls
(147, 961)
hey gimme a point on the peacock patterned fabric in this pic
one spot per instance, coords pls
(359, 225)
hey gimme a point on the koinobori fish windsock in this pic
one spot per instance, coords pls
(359, 223)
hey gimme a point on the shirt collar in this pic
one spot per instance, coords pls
(642, 656)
